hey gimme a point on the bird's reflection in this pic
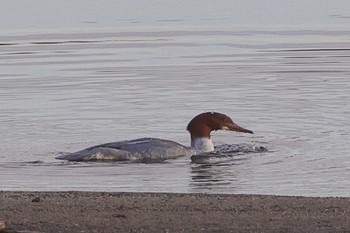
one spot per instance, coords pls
(209, 173)
(219, 169)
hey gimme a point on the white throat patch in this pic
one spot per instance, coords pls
(202, 145)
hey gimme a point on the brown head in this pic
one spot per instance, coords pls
(204, 123)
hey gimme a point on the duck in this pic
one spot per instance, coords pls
(150, 149)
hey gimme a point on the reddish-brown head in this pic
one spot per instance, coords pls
(204, 123)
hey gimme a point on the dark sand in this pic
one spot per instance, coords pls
(154, 212)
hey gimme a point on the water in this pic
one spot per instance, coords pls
(69, 83)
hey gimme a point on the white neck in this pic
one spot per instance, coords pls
(202, 145)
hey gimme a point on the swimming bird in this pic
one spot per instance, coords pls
(154, 149)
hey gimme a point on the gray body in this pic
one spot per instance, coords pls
(142, 150)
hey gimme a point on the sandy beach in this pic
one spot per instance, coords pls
(168, 212)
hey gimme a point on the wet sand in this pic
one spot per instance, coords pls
(168, 212)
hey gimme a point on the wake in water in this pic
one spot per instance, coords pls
(227, 151)
(220, 152)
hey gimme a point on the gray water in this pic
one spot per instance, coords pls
(73, 78)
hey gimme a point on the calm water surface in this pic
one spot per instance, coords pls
(68, 88)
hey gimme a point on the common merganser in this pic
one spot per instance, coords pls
(154, 149)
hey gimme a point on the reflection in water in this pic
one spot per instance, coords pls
(218, 169)
(216, 172)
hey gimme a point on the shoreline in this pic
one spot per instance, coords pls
(76, 211)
